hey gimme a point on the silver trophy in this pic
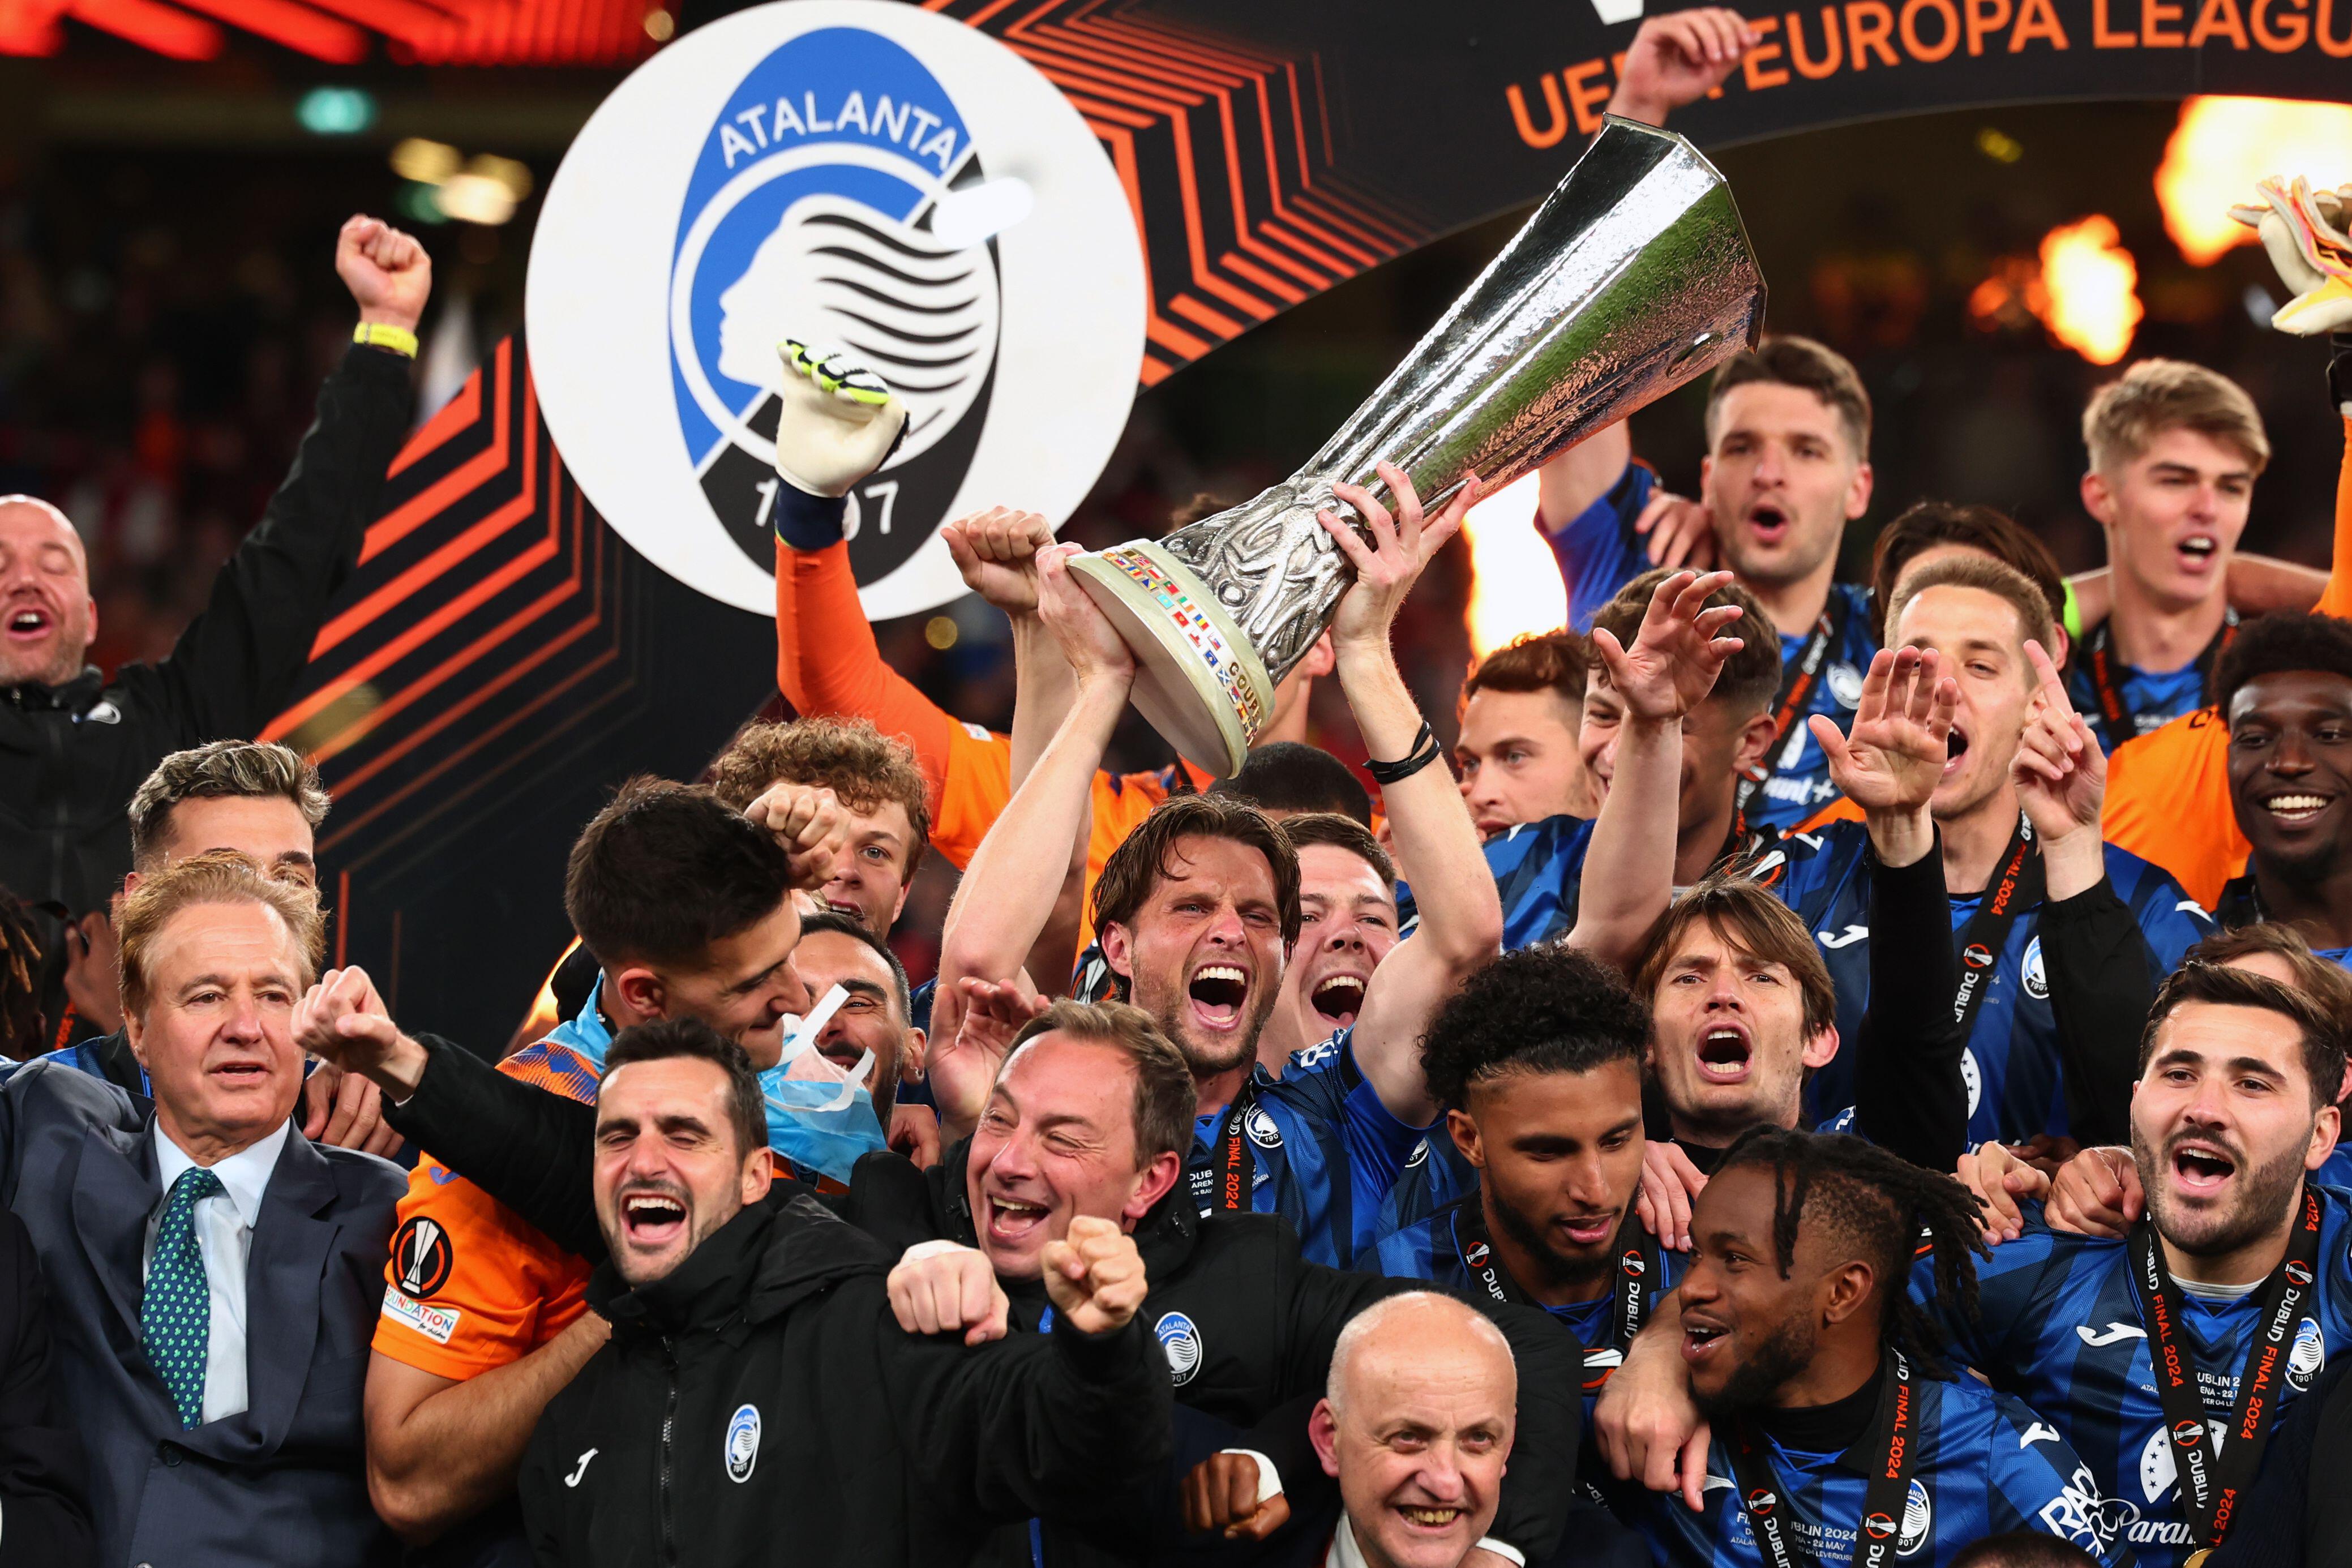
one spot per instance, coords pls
(1634, 277)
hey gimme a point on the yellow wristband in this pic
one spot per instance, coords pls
(384, 335)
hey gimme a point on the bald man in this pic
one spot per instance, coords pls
(75, 745)
(1415, 1424)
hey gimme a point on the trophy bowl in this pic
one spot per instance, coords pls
(1634, 278)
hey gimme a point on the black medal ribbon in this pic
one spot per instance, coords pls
(1225, 1182)
(1880, 1530)
(2015, 888)
(2214, 1483)
(1637, 1265)
(2117, 719)
(1798, 676)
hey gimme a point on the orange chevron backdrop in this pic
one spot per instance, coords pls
(504, 658)
(1227, 154)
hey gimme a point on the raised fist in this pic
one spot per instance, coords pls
(811, 825)
(996, 550)
(1095, 1275)
(836, 422)
(387, 271)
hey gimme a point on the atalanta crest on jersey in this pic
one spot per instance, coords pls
(1180, 1341)
(1919, 1521)
(742, 1443)
(2308, 1355)
(870, 179)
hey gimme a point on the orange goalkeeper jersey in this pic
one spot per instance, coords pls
(828, 664)
(470, 1287)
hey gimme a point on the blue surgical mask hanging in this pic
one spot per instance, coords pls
(819, 1117)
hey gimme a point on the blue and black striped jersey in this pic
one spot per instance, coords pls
(1982, 1464)
(1600, 553)
(2059, 1325)
(1323, 1151)
(2012, 1061)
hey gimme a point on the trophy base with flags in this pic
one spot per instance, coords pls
(1634, 277)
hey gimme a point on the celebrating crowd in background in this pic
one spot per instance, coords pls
(1820, 1071)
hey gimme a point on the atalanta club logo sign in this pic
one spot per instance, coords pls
(861, 175)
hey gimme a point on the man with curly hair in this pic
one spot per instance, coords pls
(1538, 1061)
(879, 785)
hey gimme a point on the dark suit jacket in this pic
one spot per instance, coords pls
(284, 1482)
(43, 1482)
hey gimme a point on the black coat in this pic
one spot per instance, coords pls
(44, 1479)
(760, 1404)
(1249, 1323)
(72, 755)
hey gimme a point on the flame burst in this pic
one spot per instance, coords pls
(2223, 145)
(1515, 581)
(2089, 286)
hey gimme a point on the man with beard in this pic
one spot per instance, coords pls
(688, 906)
(1087, 1120)
(756, 1337)
(2058, 931)
(2164, 1357)
(1198, 909)
(2284, 688)
(1833, 1435)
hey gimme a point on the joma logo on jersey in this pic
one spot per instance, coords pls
(853, 216)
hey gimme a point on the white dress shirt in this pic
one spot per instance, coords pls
(223, 1227)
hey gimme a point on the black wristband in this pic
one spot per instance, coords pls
(805, 521)
(1426, 751)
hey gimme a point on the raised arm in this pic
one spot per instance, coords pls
(2100, 981)
(1910, 1095)
(836, 422)
(1436, 844)
(1015, 876)
(239, 662)
(1629, 867)
(1672, 61)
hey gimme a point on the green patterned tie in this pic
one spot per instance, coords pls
(176, 1316)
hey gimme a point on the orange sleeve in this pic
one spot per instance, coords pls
(469, 1287)
(2336, 599)
(828, 666)
(2169, 803)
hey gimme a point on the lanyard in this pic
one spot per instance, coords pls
(1798, 676)
(1637, 1264)
(1882, 1500)
(1225, 1182)
(2117, 719)
(2016, 887)
(2212, 1484)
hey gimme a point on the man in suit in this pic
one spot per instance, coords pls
(215, 1275)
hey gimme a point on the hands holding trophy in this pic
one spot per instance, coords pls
(1632, 277)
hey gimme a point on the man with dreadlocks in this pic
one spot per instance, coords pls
(1834, 1438)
